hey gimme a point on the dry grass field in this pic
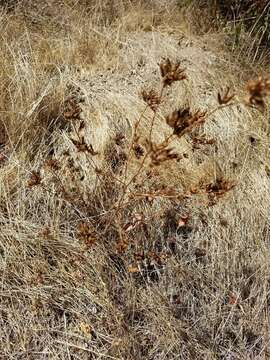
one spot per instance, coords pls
(134, 184)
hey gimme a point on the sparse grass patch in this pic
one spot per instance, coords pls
(245, 24)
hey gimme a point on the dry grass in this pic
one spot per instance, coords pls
(245, 26)
(134, 188)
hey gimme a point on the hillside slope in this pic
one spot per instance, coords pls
(104, 252)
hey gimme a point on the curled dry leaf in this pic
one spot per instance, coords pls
(35, 179)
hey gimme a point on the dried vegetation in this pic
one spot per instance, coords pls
(134, 189)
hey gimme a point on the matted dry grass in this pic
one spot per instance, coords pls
(113, 245)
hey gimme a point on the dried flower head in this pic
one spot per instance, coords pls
(160, 153)
(158, 258)
(72, 110)
(119, 139)
(198, 141)
(226, 97)
(151, 98)
(133, 269)
(137, 220)
(138, 150)
(46, 233)
(171, 72)
(83, 147)
(258, 89)
(183, 121)
(218, 189)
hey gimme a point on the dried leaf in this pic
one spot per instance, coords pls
(85, 329)
(233, 299)
(133, 269)
(35, 179)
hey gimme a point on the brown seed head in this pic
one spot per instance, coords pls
(171, 72)
(258, 89)
(218, 189)
(198, 141)
(151, 98)
(160, 153)
(72, 110)
(183, 121)
(83, 147)
(138, 150)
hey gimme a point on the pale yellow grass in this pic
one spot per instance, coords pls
(59, 300)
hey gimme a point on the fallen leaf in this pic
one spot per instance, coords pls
(133, 269)
(85, 329)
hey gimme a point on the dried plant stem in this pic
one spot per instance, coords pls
(93, 165)
(125, 188)
(132, 142)
(155, 112)
(160, 195)
(221, 107)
